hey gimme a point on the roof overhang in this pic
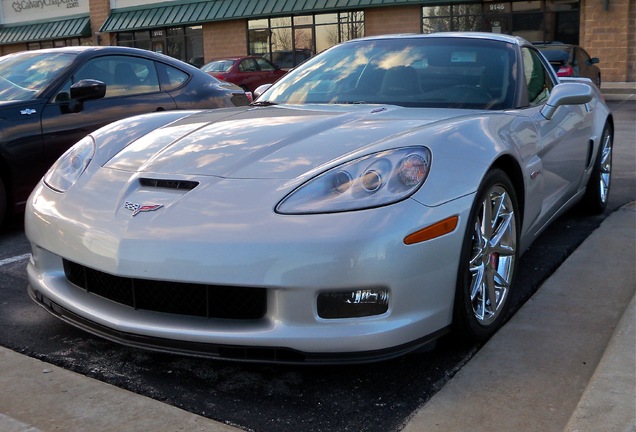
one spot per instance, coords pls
(197, 12)
(79, 26)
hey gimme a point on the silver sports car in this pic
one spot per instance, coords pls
(374, 198)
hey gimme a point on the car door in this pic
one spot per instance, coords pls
(562, 142)
(132, 87)
(269, 72)
(249, 75)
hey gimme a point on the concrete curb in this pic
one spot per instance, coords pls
(609, 402)
(532, 374)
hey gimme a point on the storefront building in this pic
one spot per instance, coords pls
(288, 31)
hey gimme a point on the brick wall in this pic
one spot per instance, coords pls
(631, 37)
(8, 49)
(607, 31)
(99, 12)
(224, 38)
(389, 20)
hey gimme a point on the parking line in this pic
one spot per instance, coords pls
(14, 259)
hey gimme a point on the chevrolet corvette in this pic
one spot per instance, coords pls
(373, 199)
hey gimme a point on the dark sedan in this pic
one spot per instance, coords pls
(247, 72)
(571, 61)
(50, 99)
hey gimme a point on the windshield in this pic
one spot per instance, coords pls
(411, 72)
(23, 76)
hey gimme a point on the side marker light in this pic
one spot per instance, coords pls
(438, 229)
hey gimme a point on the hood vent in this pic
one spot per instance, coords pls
(168, 184)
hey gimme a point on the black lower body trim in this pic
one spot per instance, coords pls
(227, 352)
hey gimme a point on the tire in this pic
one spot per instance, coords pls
(488, 260)
(598, 186)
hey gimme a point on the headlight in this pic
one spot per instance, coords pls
(70, 166)
(371, 181)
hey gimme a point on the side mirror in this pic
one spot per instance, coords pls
(88, 89)
(594, 60)
(260, 90)
(569, 93)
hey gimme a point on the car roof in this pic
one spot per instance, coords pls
(460, 35)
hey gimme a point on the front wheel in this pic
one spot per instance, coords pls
(598, 186)
(488, 259)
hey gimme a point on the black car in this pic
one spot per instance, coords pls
(50, 99)
(571, 61)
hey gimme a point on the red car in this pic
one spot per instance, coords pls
(247, 72)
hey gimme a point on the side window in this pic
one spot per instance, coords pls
(264, 65)
(173, 78)
(123, 76)
(582, 57)
(538, 81)
(247, 65)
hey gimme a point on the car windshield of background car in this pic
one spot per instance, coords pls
(24, 76)
(419, 72)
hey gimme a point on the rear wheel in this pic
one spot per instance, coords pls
(488, 259)
(598, 186)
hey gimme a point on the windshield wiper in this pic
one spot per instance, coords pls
(263, 103)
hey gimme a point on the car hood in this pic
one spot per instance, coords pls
(275, 142)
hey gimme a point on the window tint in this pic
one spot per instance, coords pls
(582, 57)
(538, 81)
(265, 65)
(123, 75)
(247, 65)
(176, 78)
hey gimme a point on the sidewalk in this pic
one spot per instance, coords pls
(565, 362)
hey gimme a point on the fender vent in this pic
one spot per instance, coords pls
(168, 184)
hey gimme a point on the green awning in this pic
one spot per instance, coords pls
(197, 12)
(38, 31)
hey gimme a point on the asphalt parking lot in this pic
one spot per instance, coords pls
(375, 397)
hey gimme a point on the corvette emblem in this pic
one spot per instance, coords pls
(28, 111)
(138, 208)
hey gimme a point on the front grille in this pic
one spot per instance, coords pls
(211, 301)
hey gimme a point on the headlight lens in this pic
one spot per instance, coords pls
(71, 165)
(371, 181)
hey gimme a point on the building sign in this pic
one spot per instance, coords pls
(16, 11)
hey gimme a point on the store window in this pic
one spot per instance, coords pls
(462, 17)
(183, 42)
(288, 41)
(59, 43)
(536, 20)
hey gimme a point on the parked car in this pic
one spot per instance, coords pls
(288, 59)
(52, 98)
(374, 198)
(571, 61)
(246, 72)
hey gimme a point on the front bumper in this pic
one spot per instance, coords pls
(293, 258)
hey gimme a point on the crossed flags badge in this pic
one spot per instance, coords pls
(138, 208)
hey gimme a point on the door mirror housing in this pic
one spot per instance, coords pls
(568, 93)
(260, 90)
(88, 89)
